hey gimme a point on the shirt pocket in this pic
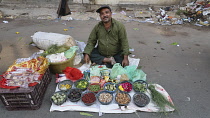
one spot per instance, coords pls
(114, 40)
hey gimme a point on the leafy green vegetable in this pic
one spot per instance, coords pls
(85, 114)
(55, 49)
(174, 43)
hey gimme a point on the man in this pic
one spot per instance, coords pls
(111, 39)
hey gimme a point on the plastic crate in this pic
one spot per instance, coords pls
(25, 99)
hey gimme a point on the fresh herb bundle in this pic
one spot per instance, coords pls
(159, 99)
(55, 49)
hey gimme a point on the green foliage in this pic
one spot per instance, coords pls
(55, 49)
(159, 99)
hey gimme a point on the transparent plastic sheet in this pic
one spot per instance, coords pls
(33, 56)
(21, 77)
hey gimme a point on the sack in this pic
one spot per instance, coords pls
(117, 69)
(44, 40)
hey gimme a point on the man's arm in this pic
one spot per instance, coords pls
(92, 40)
(125, 61)
(124, 45)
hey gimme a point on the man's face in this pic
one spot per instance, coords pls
(105, 15)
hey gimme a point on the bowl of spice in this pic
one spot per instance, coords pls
(140, 86)
(75, 95)
(94, 87)
(65, 85)
(122, 98)
(81, 84)
(141, 99)
(105, 97)
(125, 86)
(88, 98)
(58, 98)
(110, 87)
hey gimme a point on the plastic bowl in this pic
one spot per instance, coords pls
(65, 85)
(125, 87)
(122, 98)
(75, 95)
(108, 84)
(58, 95)
(141, 99)
(88, 98)
(81, 84)
(105, 97)
(94, 87)
(140, 86)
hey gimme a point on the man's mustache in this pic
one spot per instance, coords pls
(105, 17)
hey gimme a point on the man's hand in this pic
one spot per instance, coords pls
(125, 61)
(86, 58)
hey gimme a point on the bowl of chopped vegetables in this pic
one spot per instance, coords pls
(105, 97)
(110, 87)
(81, 84)
(94, 87)
(125, 86)
(140, 86)
(59, 97)
(65, 85)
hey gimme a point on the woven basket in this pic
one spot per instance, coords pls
(58, 67)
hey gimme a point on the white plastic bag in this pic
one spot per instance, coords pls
(44, 40)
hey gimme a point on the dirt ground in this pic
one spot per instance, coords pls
(182, 70)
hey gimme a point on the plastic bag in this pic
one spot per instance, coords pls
(138, 75)
(130, 71)
(95, 71)
(79, 56)
(117, 69)
(73, 73)
(124, 77)
(70, 52)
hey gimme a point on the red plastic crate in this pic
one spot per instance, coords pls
(25, 99)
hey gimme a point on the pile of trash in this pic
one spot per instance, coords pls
(194, 12)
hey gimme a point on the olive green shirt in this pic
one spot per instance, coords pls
(110, 42)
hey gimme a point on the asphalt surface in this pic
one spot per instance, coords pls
(182, 70)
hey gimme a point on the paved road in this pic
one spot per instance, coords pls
(182, 70)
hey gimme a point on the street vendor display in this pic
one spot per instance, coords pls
(115, 91)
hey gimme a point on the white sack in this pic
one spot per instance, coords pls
(44, 40)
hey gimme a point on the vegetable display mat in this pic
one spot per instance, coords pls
(113, 107)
